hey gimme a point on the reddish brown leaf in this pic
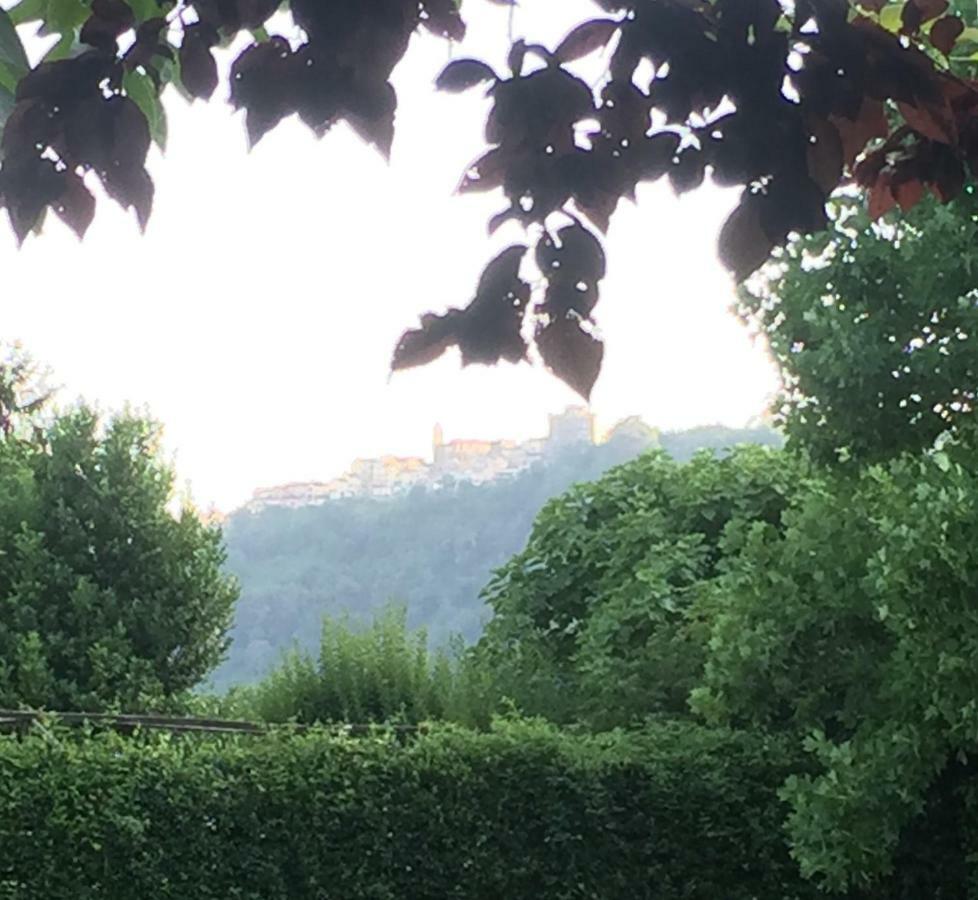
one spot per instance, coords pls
(945, 33)
(881, 198)
(930, 9)
(462, 74)
(870, 123)
(947, 176)
(872, 5)
(932, 120)
(744, 245)
(571, 353)
(908, 193)
(825, 155)
(586, 38)
(910, 18)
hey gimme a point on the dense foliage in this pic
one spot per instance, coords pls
(107, 599)
(379, 673)
(785, 100)
(521, 812)
(874, 328)
(854, 623)
(599, 618)
(431, 551)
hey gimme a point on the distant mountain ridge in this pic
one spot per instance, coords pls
(432, 549)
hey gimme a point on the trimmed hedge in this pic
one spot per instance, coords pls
(521, 812)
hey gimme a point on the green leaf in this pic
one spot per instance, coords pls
(8, 78)
(144, 9)
(142, 91)
(63, 16)
(7, 102)
(28, 11)
(12, 51)
(890, 17)
(62, 49)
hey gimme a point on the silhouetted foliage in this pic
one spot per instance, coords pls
(785, 100)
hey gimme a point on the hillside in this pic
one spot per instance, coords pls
(431, 550)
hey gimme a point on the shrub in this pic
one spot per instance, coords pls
(522, 811)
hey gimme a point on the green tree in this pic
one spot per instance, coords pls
(874, 326)
(853, 624)
(599, 618)
(107, 598)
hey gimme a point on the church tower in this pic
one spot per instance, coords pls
(437, 442)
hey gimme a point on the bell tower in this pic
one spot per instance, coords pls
(437, 442)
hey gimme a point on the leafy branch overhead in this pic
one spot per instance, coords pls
(786, 100)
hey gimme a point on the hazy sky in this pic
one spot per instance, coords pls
(257, 316)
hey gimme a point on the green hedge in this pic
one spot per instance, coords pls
(520, 812)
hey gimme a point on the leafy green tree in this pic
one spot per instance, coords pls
(107, 599)
(874, 328)
(25, 390)
(854, 624)
(599, 618)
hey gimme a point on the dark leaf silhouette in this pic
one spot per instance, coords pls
(586, 38)
(945, 33)
(76, 204)
(442, 18)
(198, 68)
(571, 353)
(462, 74)
(933, 120)
(930, 9)
(109, 19)
(744, 243)
(486, 331)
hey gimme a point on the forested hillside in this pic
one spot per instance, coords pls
(432, 551)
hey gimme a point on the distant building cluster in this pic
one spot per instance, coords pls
(473, 461)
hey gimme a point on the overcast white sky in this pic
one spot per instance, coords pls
(257, 315)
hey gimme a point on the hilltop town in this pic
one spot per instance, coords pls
(474, 461)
